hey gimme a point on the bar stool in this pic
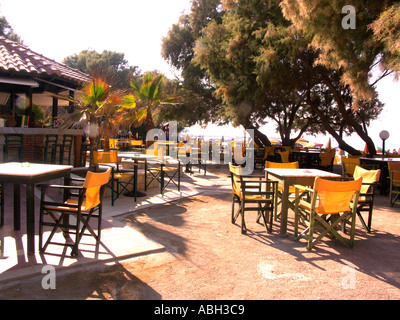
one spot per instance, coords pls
(66, 149)
(13, 142)
(49, 149)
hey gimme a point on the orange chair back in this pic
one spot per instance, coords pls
(93, 183)
(105, 157)
(284, 155)
(236, 172)
(395, 166)
(282, 165)
(368, 176)
(335, 196)
(327, 157)
(349, 165)
(136, 142)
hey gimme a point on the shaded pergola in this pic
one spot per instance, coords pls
(32, 75)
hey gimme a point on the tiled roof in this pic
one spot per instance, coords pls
(18, 58)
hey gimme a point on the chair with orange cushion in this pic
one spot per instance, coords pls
(329, 203)
(366, 199)
(284, 155)
(121, 179)
(252, 193)
(348, 166)
(326, 159)
(279, 189)
(394, 175)
(84, 204)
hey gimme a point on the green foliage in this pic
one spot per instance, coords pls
(198, 103)
(7, 31)
(353, 51)
(109, 63)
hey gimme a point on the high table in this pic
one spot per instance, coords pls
(290, 177)
(136, 157)
(30, 173)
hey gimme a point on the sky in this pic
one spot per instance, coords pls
(58, 29)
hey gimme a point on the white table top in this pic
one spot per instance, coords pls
(136, 156)
(301, 172)
(29, 169)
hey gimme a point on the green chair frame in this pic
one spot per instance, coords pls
(394, 176)
(49, 149)
(306, 213)
(255, 194)
(13, 142)
(163, 173)
(66, 149)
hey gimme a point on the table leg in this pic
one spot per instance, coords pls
(285, 208)
(17, 207)
(30, 218)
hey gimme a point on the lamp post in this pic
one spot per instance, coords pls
(384, 135)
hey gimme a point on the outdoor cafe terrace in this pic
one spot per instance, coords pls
(187, 219)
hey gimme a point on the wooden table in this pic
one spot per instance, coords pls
(30, 173)
(290, 177)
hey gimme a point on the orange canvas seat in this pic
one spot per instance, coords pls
(348, 166)
(83, 205)
(394, 176)
(326, 159)
(327, 204)
(121, 179)
(279, 189)
(284, 155)
(252, 193)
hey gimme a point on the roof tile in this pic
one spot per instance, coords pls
(14, 56)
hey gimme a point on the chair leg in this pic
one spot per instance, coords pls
(243, 227)
(2, 205)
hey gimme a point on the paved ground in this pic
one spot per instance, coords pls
(206, 257)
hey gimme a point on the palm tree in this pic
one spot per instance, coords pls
(147, 96)
(96, 110)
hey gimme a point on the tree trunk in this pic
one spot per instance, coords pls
(149, 124)
(349, 119)
(325, 123)
(93, 147)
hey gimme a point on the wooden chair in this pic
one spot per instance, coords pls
(66, 149)
(84, 205)
(327, 204)
(13, 142)
(348, 166)
(136, 145)
(49, 149)
(394, 175)
(252, 193)
(163, 170)
(279, 189)
(121, 178)
(284, 155)
(370, 178)
(326, 159)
